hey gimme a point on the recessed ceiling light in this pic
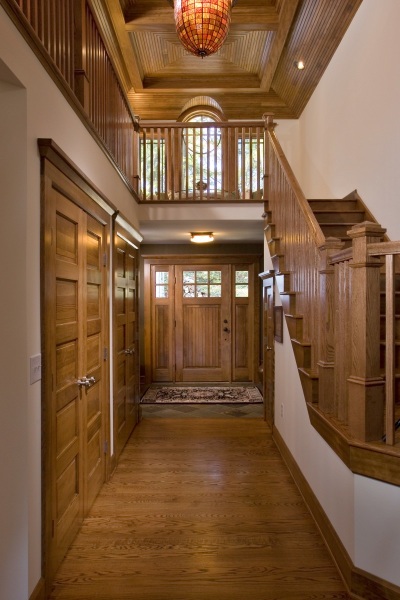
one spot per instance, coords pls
(202, 237)
(299, 64)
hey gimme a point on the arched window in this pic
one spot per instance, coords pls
(202, 155)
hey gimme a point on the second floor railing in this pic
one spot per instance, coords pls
(66, 37)
(201, 161)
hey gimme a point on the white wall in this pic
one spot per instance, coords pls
(349, 138)
(30, 108)
(14, 472)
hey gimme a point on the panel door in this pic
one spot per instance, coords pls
(203, 323)
(75, 375)
(126, 332)
(268, 351)
(93, 321)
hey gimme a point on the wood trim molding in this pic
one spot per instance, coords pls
(359, 583)
(39, 591)
(377, 461)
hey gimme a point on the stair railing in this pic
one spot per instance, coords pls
(389, 251)
(337, 292)
(299, 237)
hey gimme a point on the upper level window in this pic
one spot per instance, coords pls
(202, 153)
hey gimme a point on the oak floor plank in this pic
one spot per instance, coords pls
(200, 509)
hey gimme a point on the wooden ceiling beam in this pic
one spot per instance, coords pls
(128, 55)
(286, 16)
(144, 16)
(195, 84)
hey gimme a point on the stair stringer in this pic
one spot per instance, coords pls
(302, 348)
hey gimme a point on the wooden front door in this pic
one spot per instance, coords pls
(203, 323)
(75, 375)
(126, 381)
(202, 317)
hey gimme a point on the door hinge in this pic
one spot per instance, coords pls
(105, 446)
(105, 260)
(105, 354)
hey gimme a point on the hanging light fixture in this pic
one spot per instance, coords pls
(202, 25)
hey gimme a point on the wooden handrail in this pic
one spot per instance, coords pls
(294, 184)
(384, 248)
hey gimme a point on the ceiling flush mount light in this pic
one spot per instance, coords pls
(202, 25)
(202, 237)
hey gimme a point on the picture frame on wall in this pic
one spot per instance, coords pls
(278, 323)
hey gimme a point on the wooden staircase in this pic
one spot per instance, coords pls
(335, 218)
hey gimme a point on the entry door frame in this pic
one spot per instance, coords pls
(158, 360)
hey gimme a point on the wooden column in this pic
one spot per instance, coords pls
(82, 90)
(365, 385)
(326, 342)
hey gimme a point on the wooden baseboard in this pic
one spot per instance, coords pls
(39, 591)
(360, 584)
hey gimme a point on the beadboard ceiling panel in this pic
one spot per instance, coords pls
(253, 73)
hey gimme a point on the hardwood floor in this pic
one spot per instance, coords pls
(199, 509)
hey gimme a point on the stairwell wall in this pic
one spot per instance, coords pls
(349, 138)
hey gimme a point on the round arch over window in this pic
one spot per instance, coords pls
(203, 106)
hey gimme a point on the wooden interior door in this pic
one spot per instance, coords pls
(268, 350)
(75, 375)
(94, 322)
(203, 323)
(126, 381)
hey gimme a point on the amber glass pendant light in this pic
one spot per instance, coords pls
(202, 25)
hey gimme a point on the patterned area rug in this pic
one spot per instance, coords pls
(158, 394)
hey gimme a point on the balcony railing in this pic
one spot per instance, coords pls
(66, 38)
(201, 162)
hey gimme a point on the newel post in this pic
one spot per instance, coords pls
(326, 345)
(365, 385)
(269, 127)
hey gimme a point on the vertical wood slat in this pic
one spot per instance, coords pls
(69, 34)
(390, 349)
(230, 160)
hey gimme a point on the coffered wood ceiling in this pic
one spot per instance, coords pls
(253, 73)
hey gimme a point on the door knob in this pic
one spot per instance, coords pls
(86, 381)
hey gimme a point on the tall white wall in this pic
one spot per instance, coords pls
(349, 138)
(31, 107)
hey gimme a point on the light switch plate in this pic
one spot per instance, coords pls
(35, 369)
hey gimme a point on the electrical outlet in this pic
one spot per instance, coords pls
(35, 368)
